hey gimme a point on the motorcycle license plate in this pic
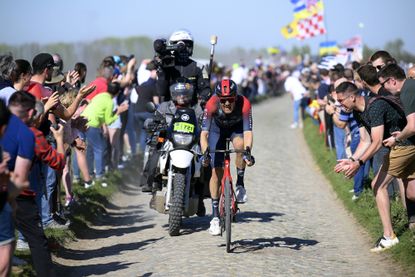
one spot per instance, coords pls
(183, 127)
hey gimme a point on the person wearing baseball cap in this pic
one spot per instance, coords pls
(42, 65)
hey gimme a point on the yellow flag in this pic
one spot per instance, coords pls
(273, 50)
(290, 30)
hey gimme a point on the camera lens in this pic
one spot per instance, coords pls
(181, 45)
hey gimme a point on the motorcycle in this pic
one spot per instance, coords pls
(179, 167)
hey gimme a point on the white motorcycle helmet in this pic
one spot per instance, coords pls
(185, 37)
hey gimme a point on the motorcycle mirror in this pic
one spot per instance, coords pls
(150, 107)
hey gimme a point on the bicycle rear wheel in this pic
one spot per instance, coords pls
(228, 215)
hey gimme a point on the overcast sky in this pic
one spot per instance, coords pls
(243, 23)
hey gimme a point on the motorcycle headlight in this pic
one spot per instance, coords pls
(183, 139)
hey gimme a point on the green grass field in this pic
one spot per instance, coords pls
(364, 209)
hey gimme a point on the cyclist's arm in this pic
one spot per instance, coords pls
(248, 139)
(206, 123)
(247, 123)
(204, 140)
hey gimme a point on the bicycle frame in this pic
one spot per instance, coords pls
(227, 204)
(227, 175)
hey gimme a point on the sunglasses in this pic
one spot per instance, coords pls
(379, 67)
(342, 100)
(384, 82)
(223, 100)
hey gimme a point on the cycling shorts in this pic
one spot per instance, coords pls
(217, 141)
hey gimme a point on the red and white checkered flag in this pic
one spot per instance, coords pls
(310, 27)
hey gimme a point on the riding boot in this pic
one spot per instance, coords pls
(201, 210)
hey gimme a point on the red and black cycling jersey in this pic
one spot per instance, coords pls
(241, 113)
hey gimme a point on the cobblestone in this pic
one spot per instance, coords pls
(292, 225)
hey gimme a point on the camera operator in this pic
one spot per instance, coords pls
(173, 60)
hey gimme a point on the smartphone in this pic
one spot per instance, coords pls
(61, 90)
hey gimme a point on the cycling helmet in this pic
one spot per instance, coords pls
(181, 93)
(226, 89)
(182, 37)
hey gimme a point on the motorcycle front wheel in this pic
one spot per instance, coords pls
(176, 208)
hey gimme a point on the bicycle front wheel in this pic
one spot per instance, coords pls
(228, 214)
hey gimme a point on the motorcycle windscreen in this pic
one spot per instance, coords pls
(181, 158)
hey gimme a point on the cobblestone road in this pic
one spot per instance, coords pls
(292, 225)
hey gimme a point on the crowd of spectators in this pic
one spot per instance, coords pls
(55, 131)
(365, 134)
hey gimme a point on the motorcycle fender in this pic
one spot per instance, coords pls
(163, 158)
(181, 158)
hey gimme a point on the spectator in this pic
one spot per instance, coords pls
(6, 221)
(105, 74)
(239, 76)
(19, 142)
(114, 136)
(411, 72)
(297, 91)
(347, 120)
(28, 220)
(98, 113)
(127, 131)
(57, 59)
(393, 78)
(42, 65)
(348, 74)
(7, 67)
(336, 74)
(322, 92)
(377, 119)
(333, 112)
(369, 77)
(71, 138)
(380, 59)
(143, 73)
(23, 73)
(147, 93)
(81, 69)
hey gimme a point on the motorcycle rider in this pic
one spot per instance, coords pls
(181, 95)
(183, 66)
(226, 115)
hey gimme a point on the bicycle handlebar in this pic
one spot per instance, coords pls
(227, 151)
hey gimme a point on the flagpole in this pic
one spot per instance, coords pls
(325, 21)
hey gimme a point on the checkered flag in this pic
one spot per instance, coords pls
(310, 27)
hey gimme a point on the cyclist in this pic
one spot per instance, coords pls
(226, 115)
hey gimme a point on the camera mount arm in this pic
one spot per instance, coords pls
(213, 41)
